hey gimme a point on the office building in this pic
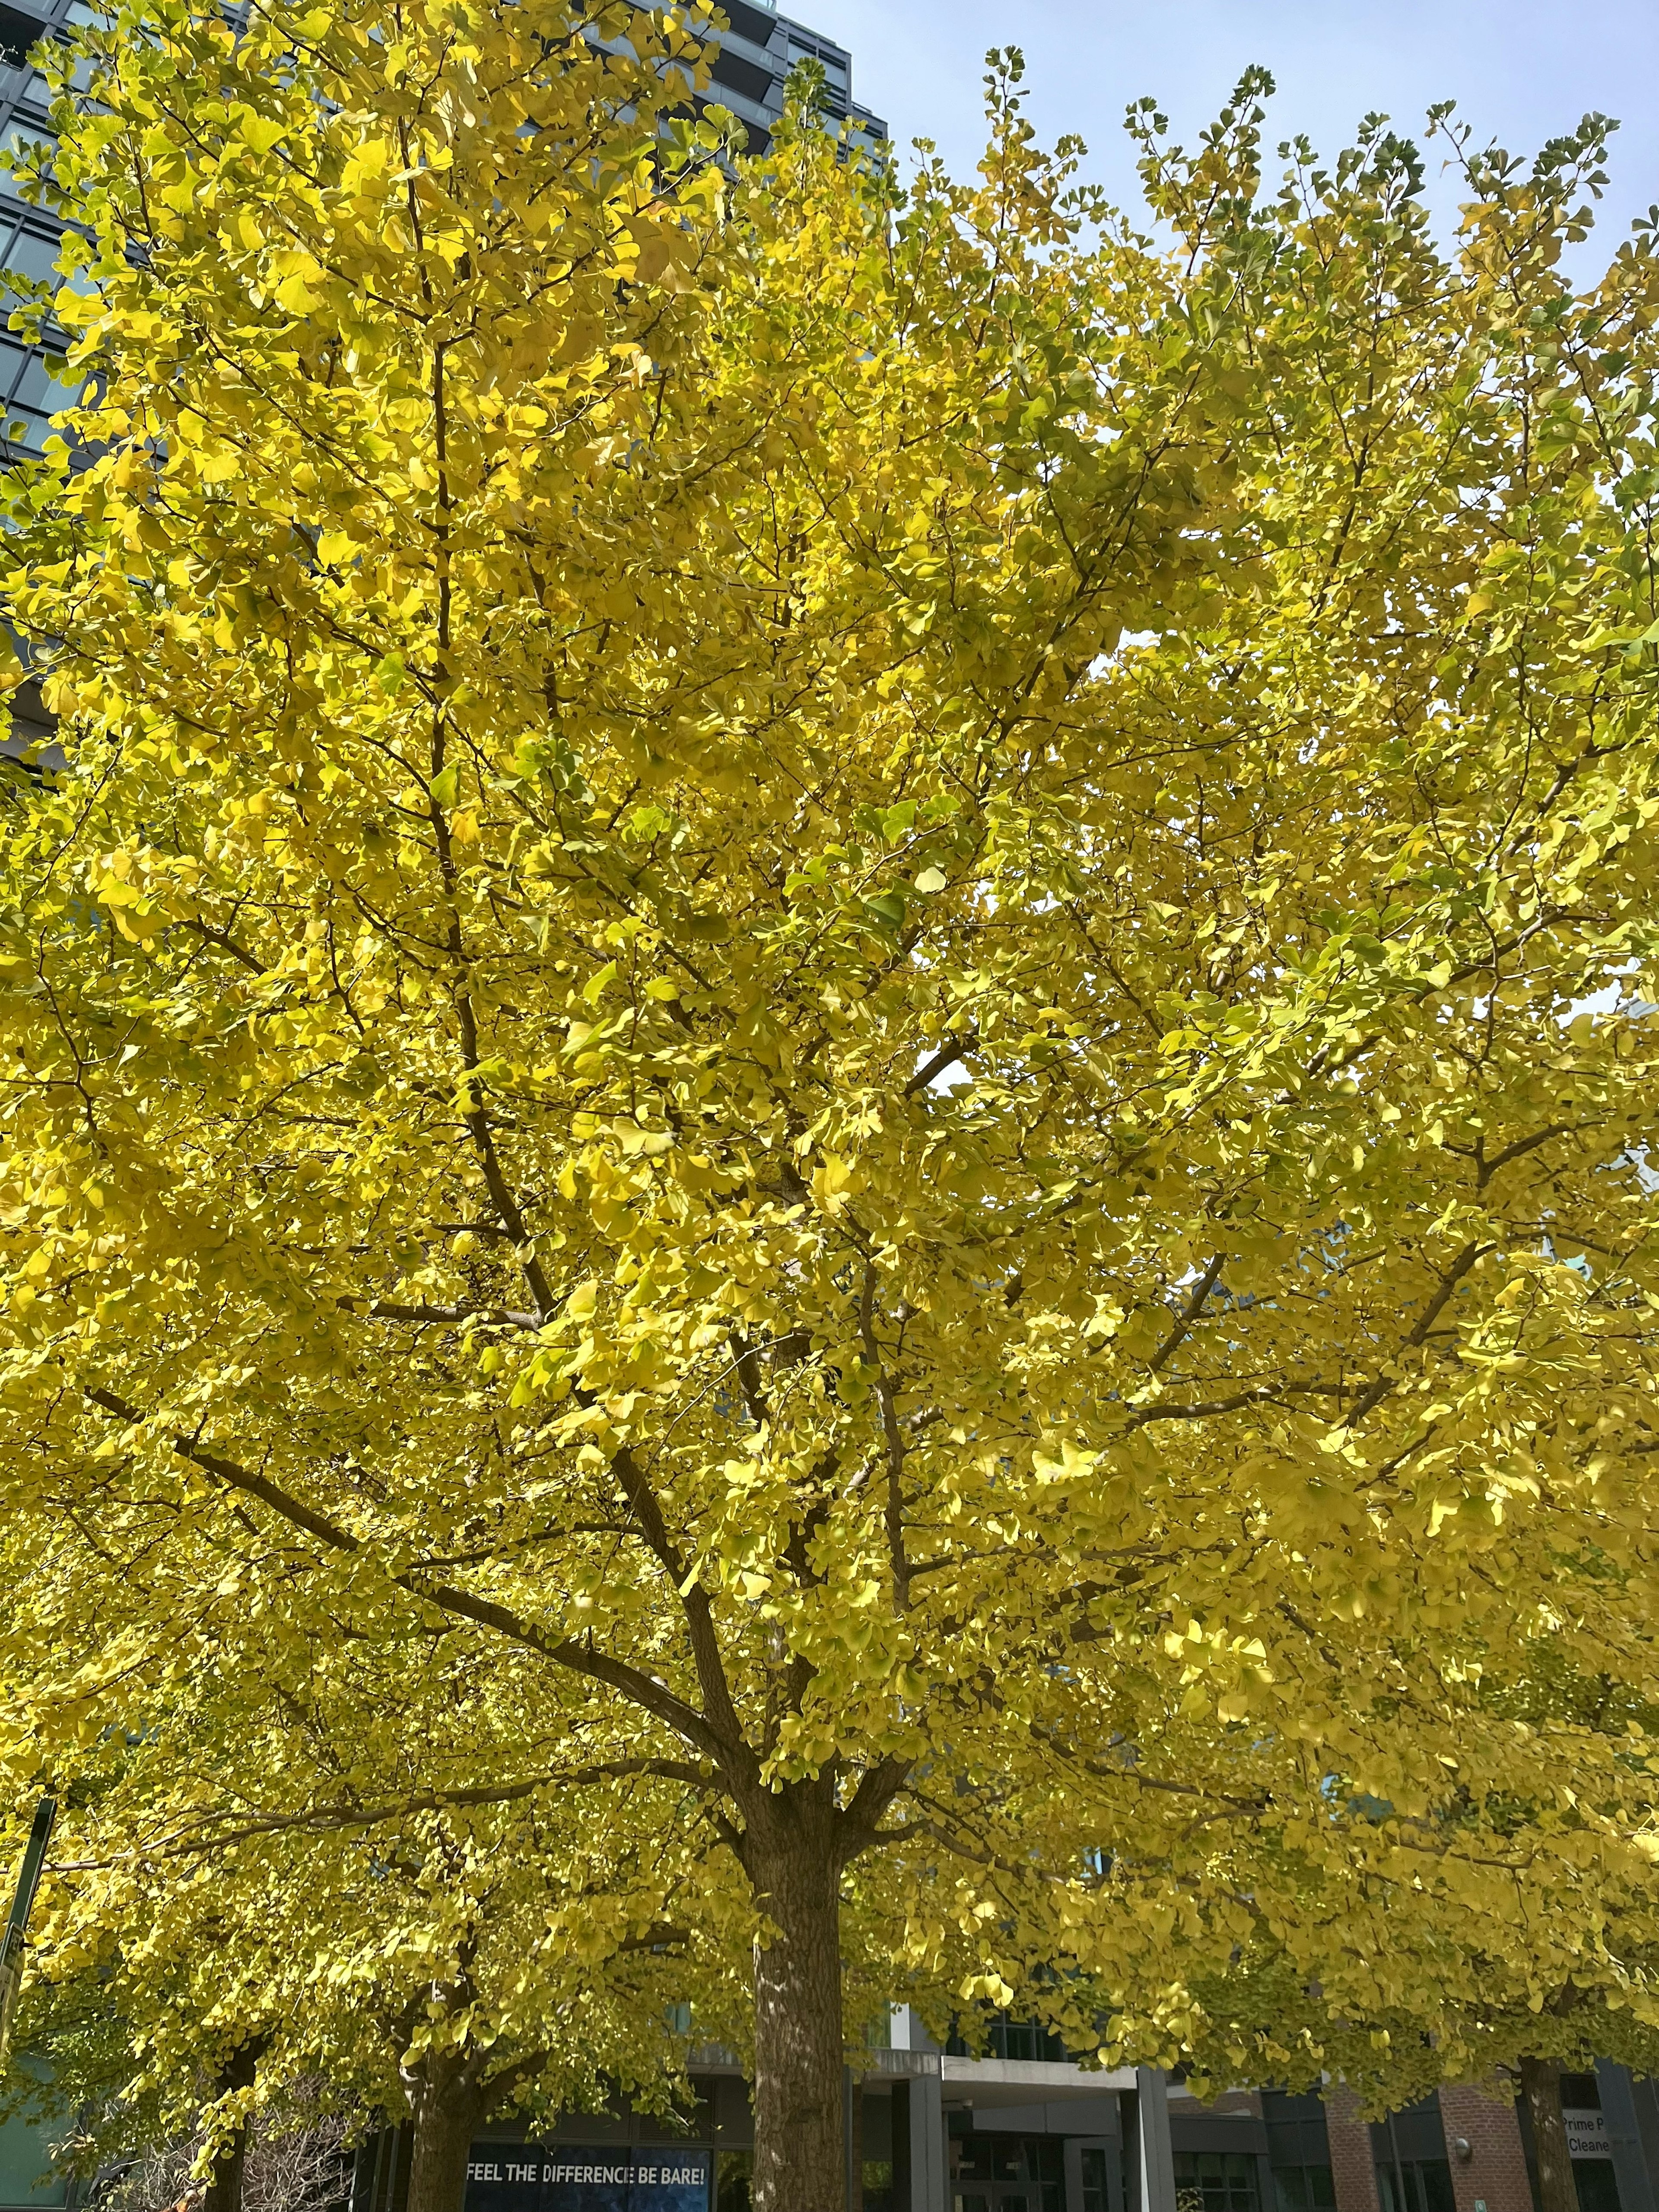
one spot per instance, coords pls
(751, 68)
(1024, 2129)
(753, 62)
(28, 240)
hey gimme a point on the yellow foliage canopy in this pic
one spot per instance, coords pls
(864, 978)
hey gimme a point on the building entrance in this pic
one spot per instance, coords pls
(1007, 2173)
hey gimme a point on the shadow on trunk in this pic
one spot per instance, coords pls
(1540, 2085)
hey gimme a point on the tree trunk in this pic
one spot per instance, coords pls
(224, 2188)
(799, 2149)
(448, 2107)
(1540, 2085)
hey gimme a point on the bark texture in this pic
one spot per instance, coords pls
(799, 2061)
(1540, 2085)
(224, 2188)
(448, 2106)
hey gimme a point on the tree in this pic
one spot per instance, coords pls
(860, 974)
(1540, 2086)
(439, 1954)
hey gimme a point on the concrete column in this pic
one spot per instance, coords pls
(920, 2178)
(1156, 2159)
(1618, 2117)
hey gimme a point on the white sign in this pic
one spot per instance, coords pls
(1587, 2133)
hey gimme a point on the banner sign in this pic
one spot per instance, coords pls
(587, 2177)
(1586, 2132)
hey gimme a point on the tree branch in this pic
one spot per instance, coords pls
(440, 1316)
(1375, 1392)
(642, 1690)
(694, 1603)
(321, 1820)
(1189, 1313)
(952, 1050)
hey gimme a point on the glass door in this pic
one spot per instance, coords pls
(1007, 2173)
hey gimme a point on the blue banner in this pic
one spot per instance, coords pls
(587, 2177)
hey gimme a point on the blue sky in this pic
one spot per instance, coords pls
(1520, 72)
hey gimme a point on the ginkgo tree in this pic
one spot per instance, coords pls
(862, 973)
(399, 1942)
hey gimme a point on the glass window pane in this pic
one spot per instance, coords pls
(14, 362)
(1438, 2195)
(731, 2181)
(1596, 2185)
(1094, 2181)
(31, 255)
(38, 388)
(971, 2158)
(22, 143)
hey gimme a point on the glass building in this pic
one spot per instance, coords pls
(28, 240)
(754, 59)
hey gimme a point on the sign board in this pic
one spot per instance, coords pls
(588, 2177)
(1586, 2132)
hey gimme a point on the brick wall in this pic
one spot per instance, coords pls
(1352, 2170)
(1495, 2174)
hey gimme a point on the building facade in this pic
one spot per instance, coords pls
(751, 66)
(29, 394)
(1024, 2129)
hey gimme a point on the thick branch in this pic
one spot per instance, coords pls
(1189, 1314)
(322, 1819)
(440, 1316)
(950, 1052)
(1375, 1392)
(694, 1603)
(860, 1824)
(653, 1696)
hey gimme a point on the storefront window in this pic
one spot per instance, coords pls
(1007, 2173)
(733, 2170)
(878, 2184)
(1304, 2189)
(1007, 2038)
(1416, 2185)
(1597, 2184)
(27, 2177)
(1215, 2181)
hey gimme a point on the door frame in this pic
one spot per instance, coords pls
(1113, 2147)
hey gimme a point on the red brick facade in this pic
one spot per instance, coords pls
(1494, 2175)
(1353, 2172)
